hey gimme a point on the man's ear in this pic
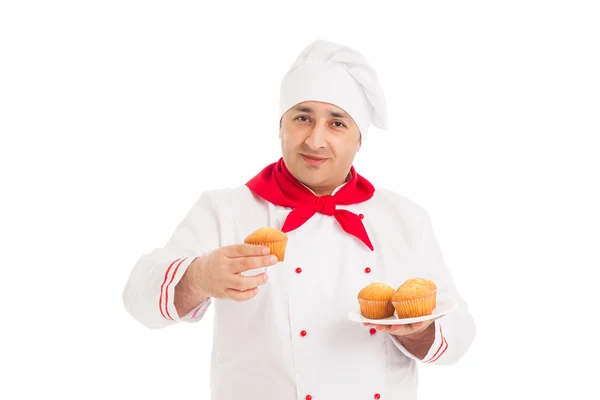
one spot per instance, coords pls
(280, 120)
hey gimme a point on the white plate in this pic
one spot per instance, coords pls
(443, 307)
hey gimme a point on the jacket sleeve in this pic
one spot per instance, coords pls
(150, 289)
(455, 331)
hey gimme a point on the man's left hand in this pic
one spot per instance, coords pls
(409, 330)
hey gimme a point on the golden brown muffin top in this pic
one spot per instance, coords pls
(376, 292)
(408, 291)
(266, 235)
(423, 282)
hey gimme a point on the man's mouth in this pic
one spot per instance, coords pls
(313, 160)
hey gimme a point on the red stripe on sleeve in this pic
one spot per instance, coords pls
(167, 289)
(160, 307)
(196, 312)
(444, 342)
(443, 351)
(439, 348)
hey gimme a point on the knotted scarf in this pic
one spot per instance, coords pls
(278, 186)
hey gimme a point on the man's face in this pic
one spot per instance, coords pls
(319, 142)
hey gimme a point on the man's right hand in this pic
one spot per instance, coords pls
(218, 274)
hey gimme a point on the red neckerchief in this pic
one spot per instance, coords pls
(278, 186)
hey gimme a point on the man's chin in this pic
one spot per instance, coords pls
(310, 178)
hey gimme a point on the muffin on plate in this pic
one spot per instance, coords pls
(375, 301)
(426, 282)
(414, 298)
(272, 238)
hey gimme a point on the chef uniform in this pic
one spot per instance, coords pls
(294, 340)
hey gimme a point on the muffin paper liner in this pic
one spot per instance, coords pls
(376, 309)
(415, 307)
(277, 248)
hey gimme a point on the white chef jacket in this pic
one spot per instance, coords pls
(297, 341)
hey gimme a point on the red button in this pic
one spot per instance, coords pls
(373, 331)
(361, 216)
(298, 270)
(377, 396)
(303, 333)
(367, 270)
(308, 397)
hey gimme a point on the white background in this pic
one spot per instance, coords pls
(116, 115)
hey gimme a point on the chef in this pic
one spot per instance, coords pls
(281, 329)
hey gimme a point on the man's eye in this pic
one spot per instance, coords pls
(340, 124)
(302, 118)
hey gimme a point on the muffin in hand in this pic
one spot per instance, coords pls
(272, 238)
(414, 298)
(375, 301)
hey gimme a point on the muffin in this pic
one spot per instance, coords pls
(425, 282)
(422, 281)
(274, 239)
(414, 298)
(375, 301)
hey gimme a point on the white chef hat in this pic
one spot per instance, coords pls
(336, 74)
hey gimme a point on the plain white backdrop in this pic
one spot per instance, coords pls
(116, 115)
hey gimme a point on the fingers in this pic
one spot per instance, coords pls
(241, 264)
(410, 329)
(245, 250)
(241, 282)
(400, 329)
(244, 288)
(241, 295)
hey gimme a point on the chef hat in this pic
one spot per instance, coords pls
(339, 75)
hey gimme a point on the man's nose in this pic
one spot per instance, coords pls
(316, 138)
